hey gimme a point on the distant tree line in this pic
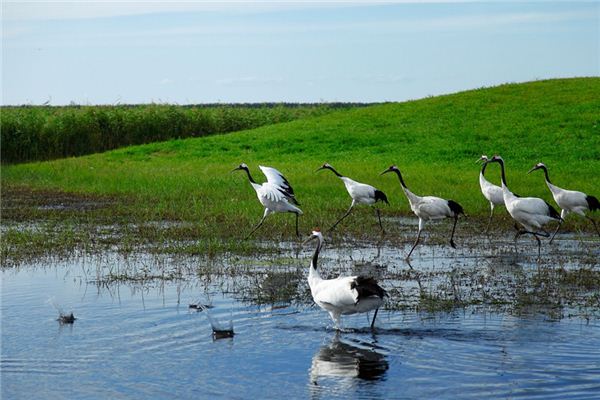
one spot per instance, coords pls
(35, 133)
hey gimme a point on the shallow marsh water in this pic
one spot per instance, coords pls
(482, 321)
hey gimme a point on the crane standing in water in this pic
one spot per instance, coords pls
(530, 212)
(343, 295)
(428, 207)
(569, 200)
(493, 193)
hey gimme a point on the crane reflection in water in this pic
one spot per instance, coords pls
(343, 364)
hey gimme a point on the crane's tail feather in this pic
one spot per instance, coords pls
(593, 203)
(553, 213)
(456, 208)
(380, 196)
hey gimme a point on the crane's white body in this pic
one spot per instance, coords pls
(274, 194)
(428, 208)
(361, 193)
(569, 200)
(273, 199)
(339, 296)
(531, 212)
(493, 193)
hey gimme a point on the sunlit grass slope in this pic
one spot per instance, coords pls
(434, 141)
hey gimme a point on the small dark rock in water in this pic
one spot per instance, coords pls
(200, 307)
(66, 318)
(222, 334)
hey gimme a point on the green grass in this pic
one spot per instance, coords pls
(434, 141)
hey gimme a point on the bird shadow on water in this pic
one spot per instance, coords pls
(453, 334)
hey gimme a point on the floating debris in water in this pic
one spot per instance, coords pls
(63, 317)
(66, 318)
(219, 334)
(200, 307)
(218, 330)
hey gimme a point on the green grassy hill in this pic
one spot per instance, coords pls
(434, 141)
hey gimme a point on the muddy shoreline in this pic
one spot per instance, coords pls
(39, 223)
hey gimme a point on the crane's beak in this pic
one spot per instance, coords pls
(311, 237)
(531, 170)
(480, 160)
(235, 169)
(386, 171)
(320, 168)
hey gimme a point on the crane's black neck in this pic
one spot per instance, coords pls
(501, 162)
(483, 167)
(333, 170)
(249, 176)
(397, 171)
(546, 173)
(316, 255)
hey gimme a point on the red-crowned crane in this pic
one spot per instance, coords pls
(569, 200)
(428, 207)
(343, 295)
(361, 193)
(276, 195)
(531, 212)
(493, 193)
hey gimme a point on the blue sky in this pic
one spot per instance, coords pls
(90, 52)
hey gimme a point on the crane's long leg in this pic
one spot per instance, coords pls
(535, 235)
(487, 228)
(593, 223)
(343, 216)
(453, 229)
(539, 245)
(554, 234)
(524, 231)
(379, 218)
(414, 245)
(542, 233)
(297, 231)
(336, 320)
(563, 214)
(519, 233)
(259, 224)
(421, 223)
(374, 316)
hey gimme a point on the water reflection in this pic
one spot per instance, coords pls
(341, 359)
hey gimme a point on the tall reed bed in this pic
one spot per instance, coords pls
(35, 133)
